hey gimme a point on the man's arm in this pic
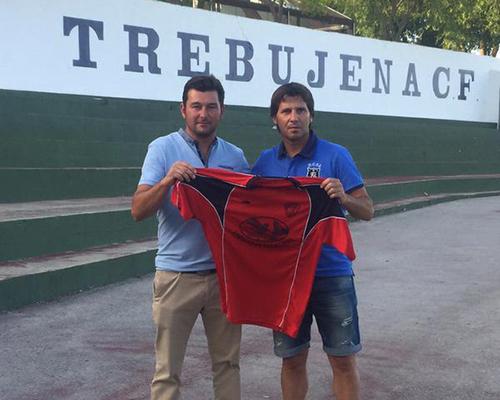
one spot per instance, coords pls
(358, 203)
(148, 199)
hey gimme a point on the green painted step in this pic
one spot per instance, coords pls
(42, 228)
(384, 192)
(36, 184)
(393, 207)
(42, 279)
(379, 169)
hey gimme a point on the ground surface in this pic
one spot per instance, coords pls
(428, 289)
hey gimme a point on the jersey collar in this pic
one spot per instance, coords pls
(306, 152)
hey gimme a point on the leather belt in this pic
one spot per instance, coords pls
(202, 272)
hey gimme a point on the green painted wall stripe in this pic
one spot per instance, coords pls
(72, 131)
(22, 185)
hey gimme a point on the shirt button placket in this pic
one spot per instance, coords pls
(290, 165)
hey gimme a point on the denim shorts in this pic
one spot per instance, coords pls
(333, 303)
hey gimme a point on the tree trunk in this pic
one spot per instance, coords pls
(482, 49)
(276, 9)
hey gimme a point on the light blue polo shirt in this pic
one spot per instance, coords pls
(181, 244)
(318, 158)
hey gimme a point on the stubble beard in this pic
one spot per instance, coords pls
(297, 135)
(201, 134)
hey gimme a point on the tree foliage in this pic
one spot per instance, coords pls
(462, 25)
(383, 19)
(277, 8)
(470, 24)
(454, 24)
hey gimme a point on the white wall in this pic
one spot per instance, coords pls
(147, 50)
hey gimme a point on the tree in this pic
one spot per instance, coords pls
(470, 24)
(454, 24)
(462, 25)
(277, 9)
(383, 19)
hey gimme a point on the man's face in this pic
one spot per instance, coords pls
(293, 119)
(202, 113)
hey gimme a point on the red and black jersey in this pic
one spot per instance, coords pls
(265, 235)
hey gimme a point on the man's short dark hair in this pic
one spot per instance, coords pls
(292, 89)
(203, 83)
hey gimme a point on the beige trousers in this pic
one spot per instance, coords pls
(178, 299)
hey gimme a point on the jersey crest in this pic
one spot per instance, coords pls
(264, 230)
(313, 170)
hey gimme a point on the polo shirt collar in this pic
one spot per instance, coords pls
(306, 152)
(191, 141)
(194, 145)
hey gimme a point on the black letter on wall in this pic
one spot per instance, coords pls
(321, 71)
(233, 60)
(464, 84)
(188, 55)
(379, 74)
(411, 79)
(346, 72)
(84, 26)
(134, 49)
(435, 82)
(275, 50)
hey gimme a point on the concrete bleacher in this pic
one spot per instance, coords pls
(56, 247)
(396, 194)
(69, 165)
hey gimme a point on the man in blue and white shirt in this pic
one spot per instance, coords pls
(333, 296)
(185, 283)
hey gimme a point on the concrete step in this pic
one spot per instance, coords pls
(41, 228)
(61, 208)
(46, 278)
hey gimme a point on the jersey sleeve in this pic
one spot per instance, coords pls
(338, 235)
(182, 201)
(327, 218)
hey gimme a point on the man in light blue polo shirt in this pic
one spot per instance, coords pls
(185, 283)
(333, 297)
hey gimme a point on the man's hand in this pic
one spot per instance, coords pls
(334, 189)
(148, 199)
(179, 171)
(357, 202)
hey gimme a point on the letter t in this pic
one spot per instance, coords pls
(84, 26)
